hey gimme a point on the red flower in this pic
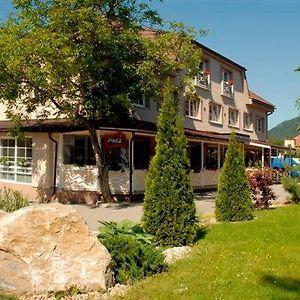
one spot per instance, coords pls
(231, 82)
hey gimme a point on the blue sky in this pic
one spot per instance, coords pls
(262, 35)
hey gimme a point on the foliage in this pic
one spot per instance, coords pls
(275, 141)
(293, 187)
(233, 256)
(11, 200)
(260, 181)
(285, 130)
(63, 294)
(127, 228)
(133, 256)
(7, 297)
(233, 201)
(87, 62)
(169, 208)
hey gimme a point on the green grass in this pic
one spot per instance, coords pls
(7, 297)
(258, 259)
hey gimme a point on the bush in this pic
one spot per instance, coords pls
(293, 187)
(260, 181)
(169, 208)
(233, 201)
(11, 200)
(133, 254)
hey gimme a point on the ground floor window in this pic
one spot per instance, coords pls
(211, 156)
(117, 159)
(194, 152)
(143, 151)
(223, 149)
(16, 159)
(78, 150)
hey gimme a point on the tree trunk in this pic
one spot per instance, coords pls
(102, 169)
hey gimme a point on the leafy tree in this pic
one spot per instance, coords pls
(233, 201)
(169, 208)
(84, 60)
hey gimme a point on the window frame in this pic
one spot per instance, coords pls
(237, 123)
(250, 128)
(188, 109)
(15, 169)
(203, 67)
(144, 102)
(225, 83)
(85, 152)
(220, 119)
(262, 129)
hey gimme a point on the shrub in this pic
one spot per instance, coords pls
(11, 200)
(292, 186)
(133, 255)
(233, 201)
(169, 208)
(260, 181)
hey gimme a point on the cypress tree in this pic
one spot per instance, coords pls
(233, 201)
(169, 207)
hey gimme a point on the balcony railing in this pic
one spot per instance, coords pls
(202, 80)
(227, 88)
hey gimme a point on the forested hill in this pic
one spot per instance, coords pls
(285, 130)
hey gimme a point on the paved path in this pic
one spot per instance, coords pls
(205, 203)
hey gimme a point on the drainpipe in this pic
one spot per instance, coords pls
(130, 165)
(55, 162)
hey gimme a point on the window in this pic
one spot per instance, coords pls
(223, 149)
(227, 83)
(247, 121)
(16, 159)
(192, 108)
(233, 117)
(203, 78)
(215, 115)
(260, 124)
(141, 153)
(117, 159)
(211, 156)
(194, 151)
(78, 150)
(140, 101)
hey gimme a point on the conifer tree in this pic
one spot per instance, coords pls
(169, 207)
(233, 202)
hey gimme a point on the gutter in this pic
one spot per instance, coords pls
(131, 166)
(55, 162)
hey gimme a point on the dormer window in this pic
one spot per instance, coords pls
(203, 77)
(227, 84)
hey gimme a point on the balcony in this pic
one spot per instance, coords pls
(227, 88)
(203, 80)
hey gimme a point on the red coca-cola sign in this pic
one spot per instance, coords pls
(115, 140)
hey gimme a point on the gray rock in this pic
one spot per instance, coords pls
(176, 253)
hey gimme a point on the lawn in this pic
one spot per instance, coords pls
(257, 259)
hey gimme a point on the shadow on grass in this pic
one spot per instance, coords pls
(284, 283)
(201, 233)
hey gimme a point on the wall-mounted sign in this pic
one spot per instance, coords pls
(115, 140)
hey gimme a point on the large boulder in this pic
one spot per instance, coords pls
(49, 247)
